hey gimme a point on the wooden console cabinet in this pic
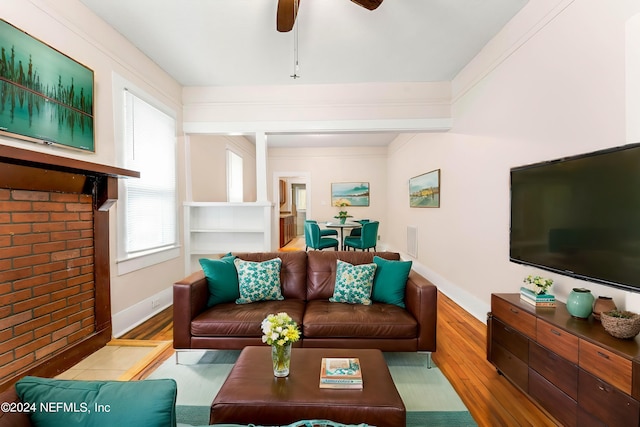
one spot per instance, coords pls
(571, 367)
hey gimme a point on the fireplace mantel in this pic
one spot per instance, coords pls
(25, 171)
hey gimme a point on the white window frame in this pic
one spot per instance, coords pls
(126, 262)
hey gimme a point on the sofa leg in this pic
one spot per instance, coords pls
(428, 353)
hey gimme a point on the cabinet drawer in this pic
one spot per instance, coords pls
(558, 404)
(614, 369)
(514, 316)
(510, 339)
(555, 369)
(606, 403)
(585, 419)
(511, 367)
(557, 340)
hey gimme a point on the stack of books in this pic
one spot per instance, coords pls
(342, 373)
(543, 300)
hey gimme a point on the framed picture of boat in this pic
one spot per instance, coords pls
(45, 96)
(349, 194)
(424, 190)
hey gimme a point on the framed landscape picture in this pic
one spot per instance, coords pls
(424, 190)
(45, 96)
(350, 194)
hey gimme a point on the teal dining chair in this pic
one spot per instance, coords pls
(324, 232)
(314, 240)
(368, 239)
(358, 231)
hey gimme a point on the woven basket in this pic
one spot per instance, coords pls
(621, 327)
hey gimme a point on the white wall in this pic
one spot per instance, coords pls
(208, 167)
(556, 87)
(327, 165)
(69, 27)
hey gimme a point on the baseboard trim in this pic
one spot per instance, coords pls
(464, 299)
(129, 318)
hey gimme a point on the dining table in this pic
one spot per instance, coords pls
(342, 226)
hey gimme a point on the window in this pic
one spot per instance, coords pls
(149, 211)
(235, 190)
(301, 197)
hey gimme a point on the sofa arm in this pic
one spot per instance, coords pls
(190, 297)
(421, 300)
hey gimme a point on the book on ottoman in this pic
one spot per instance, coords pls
(342, 373)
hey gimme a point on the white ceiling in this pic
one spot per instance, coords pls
(235, 42)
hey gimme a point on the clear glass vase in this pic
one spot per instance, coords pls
(281, 357)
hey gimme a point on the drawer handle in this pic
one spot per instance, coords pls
(513, 310)
(606, 390)
(601, 354)
(554, 332)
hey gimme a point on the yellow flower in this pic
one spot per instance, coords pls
(279, 329)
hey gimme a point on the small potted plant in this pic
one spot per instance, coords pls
(540, 284)
(342, 214)
(621, 323)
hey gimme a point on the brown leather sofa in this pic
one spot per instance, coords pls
(307, 280)
(11, 416)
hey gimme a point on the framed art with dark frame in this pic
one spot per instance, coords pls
(45, 96)
(424, 190)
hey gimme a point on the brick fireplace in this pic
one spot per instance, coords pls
(54, 261)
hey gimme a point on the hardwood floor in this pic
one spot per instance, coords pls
(461, 357)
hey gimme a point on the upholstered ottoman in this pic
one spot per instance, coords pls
(251, 394)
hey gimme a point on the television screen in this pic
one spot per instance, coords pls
(45, 96)
(580, 216)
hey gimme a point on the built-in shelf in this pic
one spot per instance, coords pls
(215, 228)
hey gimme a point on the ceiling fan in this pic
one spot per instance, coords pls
(288, 9)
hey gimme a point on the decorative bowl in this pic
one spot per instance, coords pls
(621, 324)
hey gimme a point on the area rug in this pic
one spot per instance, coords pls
(428, 396)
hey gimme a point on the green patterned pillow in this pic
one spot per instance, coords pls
(353, 283)
(258, 281)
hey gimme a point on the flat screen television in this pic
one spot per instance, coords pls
(580, 216)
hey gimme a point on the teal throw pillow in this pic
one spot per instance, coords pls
(258, 281)
(222, 279)
(390, 281)
(63, 403)
(353, 283)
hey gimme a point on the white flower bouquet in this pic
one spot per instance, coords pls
(540, 284)
(279, 329)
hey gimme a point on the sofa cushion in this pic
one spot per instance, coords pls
(99, 403)
(322, 269)
(222, 279)
(242, 320)
(293, 272)
(390, 281)
(258, 281)
(353, 283)
(324, 319)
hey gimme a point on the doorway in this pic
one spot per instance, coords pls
(293, 190)
(299, 200)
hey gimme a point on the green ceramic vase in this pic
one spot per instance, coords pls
(580, 303)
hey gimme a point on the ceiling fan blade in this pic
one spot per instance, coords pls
(368, 4)
(286, 15)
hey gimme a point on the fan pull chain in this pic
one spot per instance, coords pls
(296, 64)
